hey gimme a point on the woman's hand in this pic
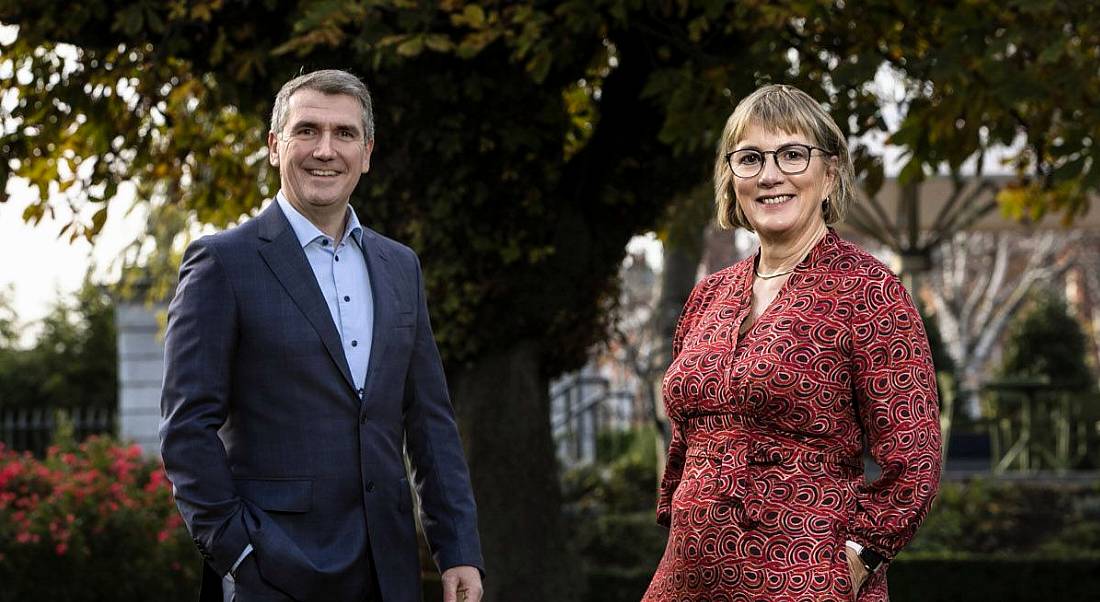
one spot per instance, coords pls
(855, 567)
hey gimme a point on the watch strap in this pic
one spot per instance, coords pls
(871, 559)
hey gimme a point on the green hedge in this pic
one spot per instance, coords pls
(1000, 579)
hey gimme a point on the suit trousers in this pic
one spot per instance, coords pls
(249, 586)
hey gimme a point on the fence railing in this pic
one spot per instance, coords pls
(32, 429)
(582, 407)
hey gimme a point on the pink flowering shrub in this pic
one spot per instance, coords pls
(94, 521)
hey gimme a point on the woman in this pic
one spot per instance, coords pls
(782, 364)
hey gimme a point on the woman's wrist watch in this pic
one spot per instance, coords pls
(871, 559)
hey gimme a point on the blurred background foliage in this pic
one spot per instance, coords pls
(1046, 343)
(73, 359)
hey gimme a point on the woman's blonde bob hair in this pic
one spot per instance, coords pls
(779, 107)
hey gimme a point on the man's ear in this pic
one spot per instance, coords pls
(366, 156)
(273, 149)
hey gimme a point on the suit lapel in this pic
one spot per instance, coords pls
(284, 255)
(382, 282)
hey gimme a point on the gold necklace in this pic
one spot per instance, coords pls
(770, 276)
(756, 269)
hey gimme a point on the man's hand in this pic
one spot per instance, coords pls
(462, 584)
(855, 567)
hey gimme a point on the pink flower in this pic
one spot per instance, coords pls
(174, 521)
(9, 472)
(61, 548)
(122, 467)
(157, 480)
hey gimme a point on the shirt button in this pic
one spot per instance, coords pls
(355, 343)
(370, 486)
(324, 242)
(347, 298)
(337, 258)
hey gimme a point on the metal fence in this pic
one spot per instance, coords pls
(582, 407)
(32, 429)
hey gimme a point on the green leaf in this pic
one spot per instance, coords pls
(98, 220)
(411, 47)
(474, 15)
(439, 42)
(912, 172)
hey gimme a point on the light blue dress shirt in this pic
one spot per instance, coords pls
(341, 272)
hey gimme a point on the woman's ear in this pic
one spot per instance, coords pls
(832, 172)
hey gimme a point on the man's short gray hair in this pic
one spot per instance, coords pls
(326, 81)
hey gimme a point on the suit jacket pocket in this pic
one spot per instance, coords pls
(405, 319)
(277, 495)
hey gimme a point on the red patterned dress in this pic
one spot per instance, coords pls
(764, 481)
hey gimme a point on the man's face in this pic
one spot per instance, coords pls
(321, 151)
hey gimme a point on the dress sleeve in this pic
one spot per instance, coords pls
(895, 391)
(677, 446)
(674, 468)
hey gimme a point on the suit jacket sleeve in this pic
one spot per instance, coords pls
(677, 447)
(895, 391)
(435, 450)
(199, 349)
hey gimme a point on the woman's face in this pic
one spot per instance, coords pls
(778, 205)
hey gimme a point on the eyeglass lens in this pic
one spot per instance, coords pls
(791, 159)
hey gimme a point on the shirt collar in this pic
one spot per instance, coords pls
(307, 232)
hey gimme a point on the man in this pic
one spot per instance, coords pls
(299, 362)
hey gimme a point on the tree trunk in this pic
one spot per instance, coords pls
(677, 280)
(684, 225)
(502, 402)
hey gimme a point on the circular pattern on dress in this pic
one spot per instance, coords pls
(764, 478)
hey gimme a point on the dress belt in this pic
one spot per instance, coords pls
(724, 437)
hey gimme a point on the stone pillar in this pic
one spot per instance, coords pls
(140, 373)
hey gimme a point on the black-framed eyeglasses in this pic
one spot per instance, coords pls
(791, 159)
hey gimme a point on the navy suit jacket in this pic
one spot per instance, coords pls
(267, 441)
